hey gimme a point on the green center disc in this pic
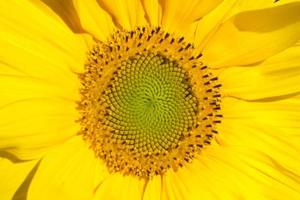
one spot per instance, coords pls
(150, 104)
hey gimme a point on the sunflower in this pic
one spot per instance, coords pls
(149, 99)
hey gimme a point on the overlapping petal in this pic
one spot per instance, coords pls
(276, 77)
(64, 10)
(202, 30)
(39, 84)
(252, 36)
(125, 13)
(69, 171)
(13, 178)
(178, 15)
(255, 156)
(94, 19)
(153, 188)
(153, 11)
(119, 187)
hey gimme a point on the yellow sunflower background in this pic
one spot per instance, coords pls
(251, 46)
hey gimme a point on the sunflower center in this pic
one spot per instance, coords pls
(148, 103)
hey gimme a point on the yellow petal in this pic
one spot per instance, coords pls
(94, 19)
(225, 174)
(13, 176)
(28, 127)
(245, 5)
(67, 172)
(253, 36)
(261, 139)
(127, 13)
(45, 41)
(203, 29)
(153, 12)
(119, 187)
(178, 15)
(274, 78)
(153, 189)
(281, 113)
(173, 188)
(206, 178)
(39, 86)
(273, 125)
(255, 156)
(64, 9)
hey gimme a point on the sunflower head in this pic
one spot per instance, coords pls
(148, 102)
